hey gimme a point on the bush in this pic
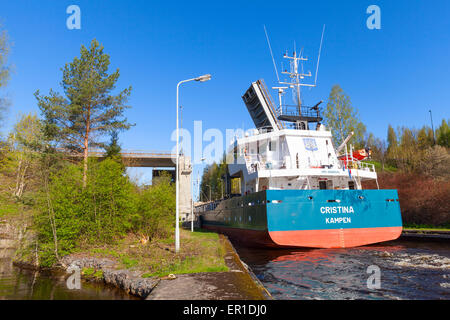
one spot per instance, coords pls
(110, 201)
(436, 162)
(109, 207)
(60, 218)
(157, 208)
(423, 200)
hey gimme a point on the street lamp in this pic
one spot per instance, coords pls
(203, 78)
(432, 128)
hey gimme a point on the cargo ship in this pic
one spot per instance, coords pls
(295, 188)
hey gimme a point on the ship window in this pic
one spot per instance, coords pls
(322, 185)
(330, 184)
(272, 145)
(351, 185)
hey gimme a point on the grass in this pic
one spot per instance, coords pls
(11, 207)
(92, 273)
(426, 227)
(8, 207)
(199, 252)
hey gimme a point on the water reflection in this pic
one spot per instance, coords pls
(409, 270)
(21, 284)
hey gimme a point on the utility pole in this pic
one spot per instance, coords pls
(432, 127)
(203, 78)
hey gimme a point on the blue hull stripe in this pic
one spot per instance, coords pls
(289, 210)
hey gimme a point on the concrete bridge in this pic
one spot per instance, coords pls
(156, 159)
(143, 159)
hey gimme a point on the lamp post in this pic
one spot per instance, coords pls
(432, 128)
(203, 78)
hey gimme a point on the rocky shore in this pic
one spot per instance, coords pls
(237, 284)
(130, 281)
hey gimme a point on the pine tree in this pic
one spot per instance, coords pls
(88, 109)
(113, 148)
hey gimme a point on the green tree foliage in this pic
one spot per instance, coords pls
(5, 69)
(425, 138)
(408, 150)
(392, 142)
(109, 207)
(113, 149)
(22, 161)
(88, 109)
(378, 149)
(157, 208)
(443, 134)
(341, 118)
(60, 218)
(415, 151)
(71, 217)
(212, 186)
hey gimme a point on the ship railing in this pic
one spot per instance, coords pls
(209, 206)
(358, 165)
(256, 162)
(253, 132)
(292, 110)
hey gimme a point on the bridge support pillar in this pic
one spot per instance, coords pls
(184, 179)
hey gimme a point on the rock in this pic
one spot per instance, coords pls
(130, 281)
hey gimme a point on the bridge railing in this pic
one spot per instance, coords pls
(127, 153)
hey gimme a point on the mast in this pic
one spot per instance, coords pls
(304, 115)
(296, 77)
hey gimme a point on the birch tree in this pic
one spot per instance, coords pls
(5, 69)
(25, 140)
(341, 118)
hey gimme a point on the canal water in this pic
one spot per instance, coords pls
(22, 284)
(407, 270)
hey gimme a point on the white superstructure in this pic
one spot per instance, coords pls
(294, 159)
(290, 148)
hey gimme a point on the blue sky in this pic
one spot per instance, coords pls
(393, 75)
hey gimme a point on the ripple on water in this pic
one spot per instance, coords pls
(408, 271)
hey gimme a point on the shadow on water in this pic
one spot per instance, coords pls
(409, 270)
(23, 284)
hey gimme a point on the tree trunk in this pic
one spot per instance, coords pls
(85, 161)
(19, 169)
(86, 147)
(51, 216)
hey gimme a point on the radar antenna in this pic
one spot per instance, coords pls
(297, 76)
